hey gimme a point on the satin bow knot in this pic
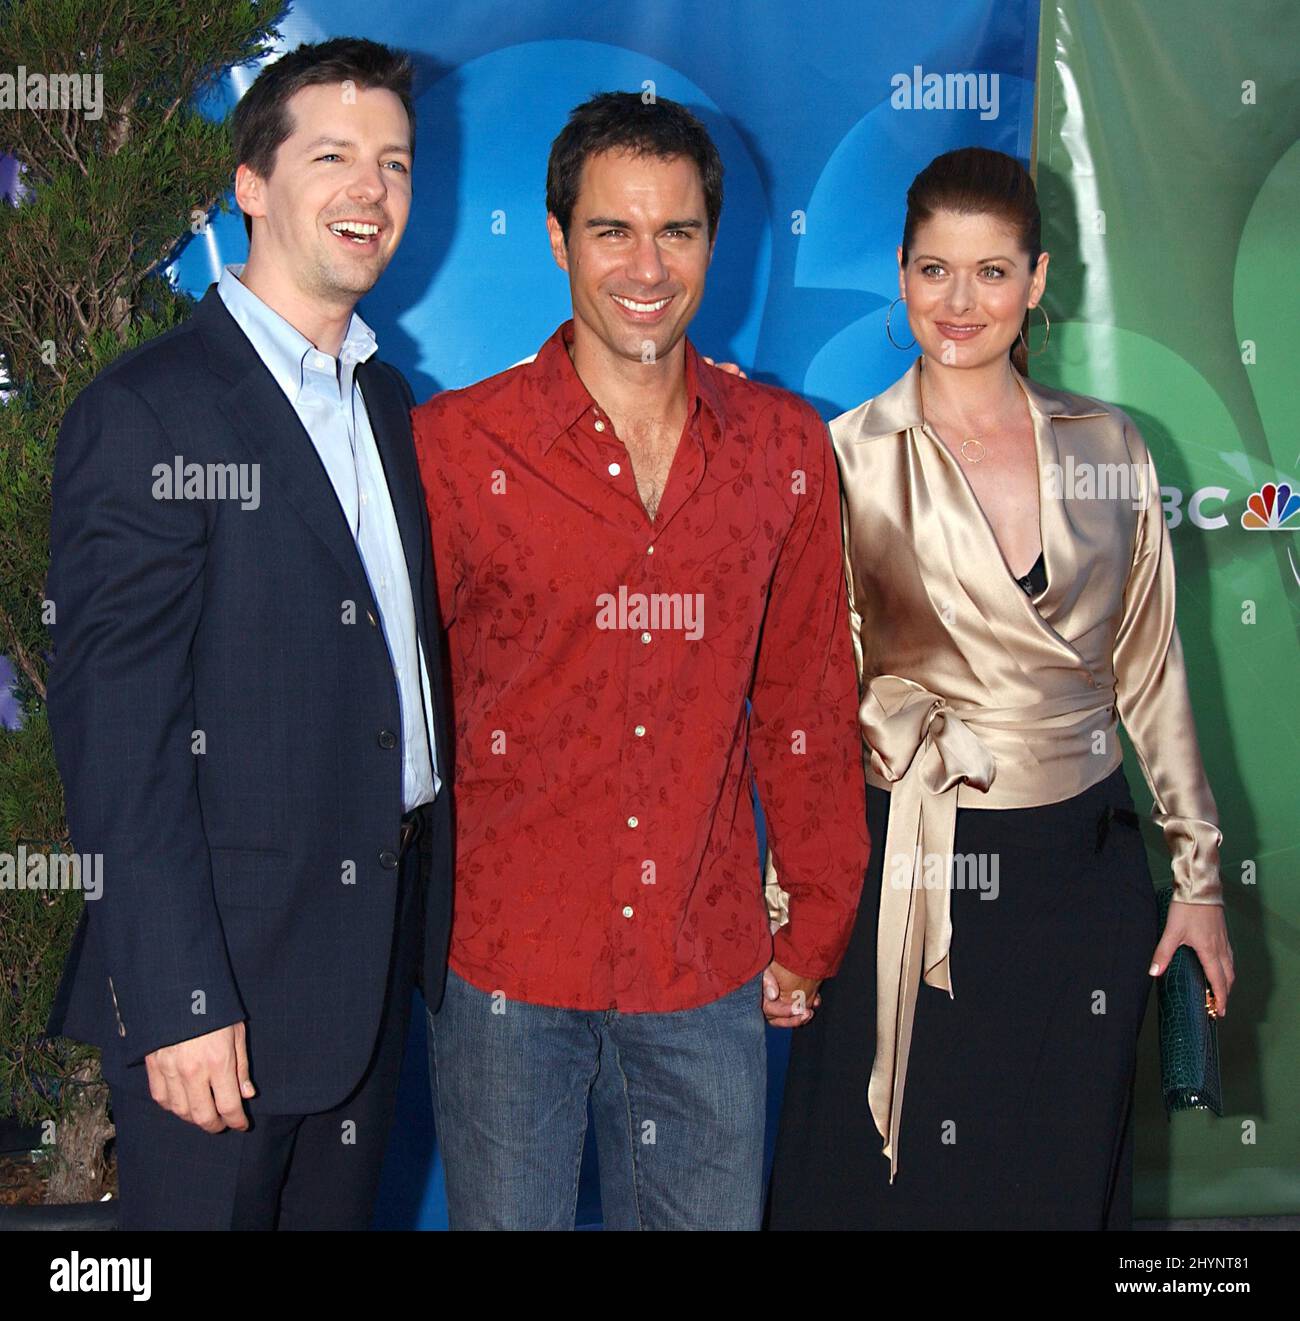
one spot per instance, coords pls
(926, 750)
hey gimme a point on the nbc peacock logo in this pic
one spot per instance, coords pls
(1275, 507)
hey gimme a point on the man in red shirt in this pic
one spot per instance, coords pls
(632, 549)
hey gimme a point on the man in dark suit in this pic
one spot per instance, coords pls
(247, 694)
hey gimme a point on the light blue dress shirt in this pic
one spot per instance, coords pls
(330, 405)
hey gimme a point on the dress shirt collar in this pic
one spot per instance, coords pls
(288, 354)
(559, 397)
(898, 408)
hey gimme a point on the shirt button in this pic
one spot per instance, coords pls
(365, 499)
(599, 425)
(615, 469)
(633, 822)
(627, 912)
(645, 637)
(649, 550)
(639, 731)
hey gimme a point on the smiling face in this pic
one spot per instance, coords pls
(637, 253)
(968, 283)
(331, 213)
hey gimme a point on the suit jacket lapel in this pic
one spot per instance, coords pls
(269, 428)
(390, 421)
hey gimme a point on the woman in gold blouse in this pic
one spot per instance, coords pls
(1013, 600)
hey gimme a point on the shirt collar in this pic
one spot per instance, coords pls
(898, 408)
(558, 397)
(286, 351)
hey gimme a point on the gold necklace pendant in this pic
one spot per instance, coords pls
(973, 451)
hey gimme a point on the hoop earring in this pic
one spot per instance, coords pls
(889, 334)
(1047, 321)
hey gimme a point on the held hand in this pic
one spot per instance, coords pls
(731, 368)
(202, 1080)
(788, 999)
(1203, 928)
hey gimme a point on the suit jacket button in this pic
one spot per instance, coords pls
(388, 859)
(387, 739)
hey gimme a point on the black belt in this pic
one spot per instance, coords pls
(413, 824)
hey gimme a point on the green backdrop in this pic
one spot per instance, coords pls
(1169, 173)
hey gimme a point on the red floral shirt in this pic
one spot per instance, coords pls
(606, 853)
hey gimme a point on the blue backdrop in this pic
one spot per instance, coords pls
(812, 109)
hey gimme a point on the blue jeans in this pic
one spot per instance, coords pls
(678, 1100)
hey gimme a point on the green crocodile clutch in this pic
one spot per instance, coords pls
(1189, 1037)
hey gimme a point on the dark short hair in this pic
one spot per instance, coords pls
(261, 120)
(626, 121)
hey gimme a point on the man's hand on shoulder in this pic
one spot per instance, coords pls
(731, 368)
(203, 1080)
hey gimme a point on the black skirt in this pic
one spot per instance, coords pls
(1017, 1112)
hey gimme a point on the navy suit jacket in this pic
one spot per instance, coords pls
(223, 708)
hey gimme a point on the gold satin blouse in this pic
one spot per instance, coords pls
(974, 694)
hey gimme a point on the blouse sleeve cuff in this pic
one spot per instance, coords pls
(1194, 848)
